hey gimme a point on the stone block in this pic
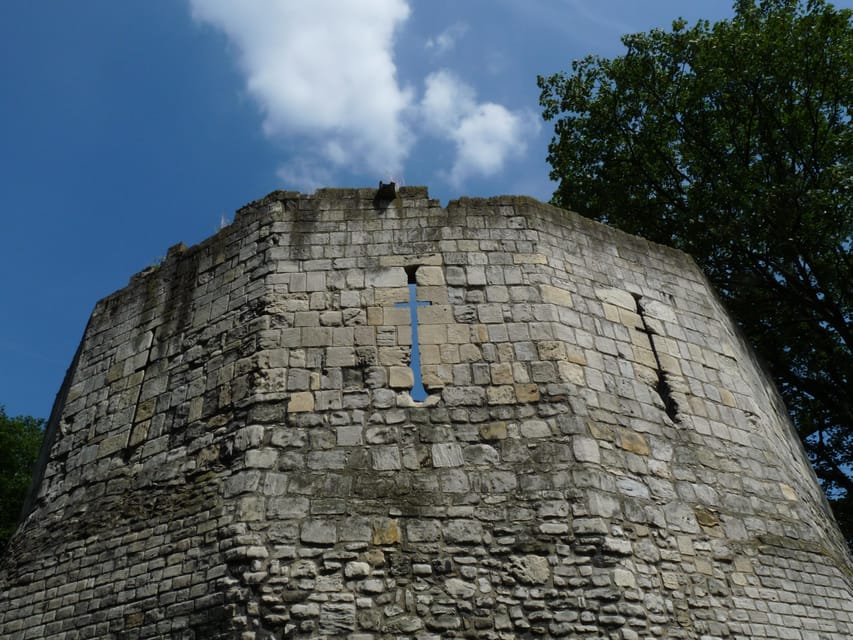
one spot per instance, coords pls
(632, 488)
(490, 313)
(617, 298)
(386, 277)
(435, 314)
(421, 530)
(633, 442)
(312, 336)
(388, 297)
(447, 454)
(429, 276)
(251, 509)
(144, 410)
(337, 618)
(475, 275)
(535, 429)
(319, 532)
(553, 509)
(401, 377)
(433, 334)
(350, 299)
(355, 570)
(459, 589)
(569, 372)
(527, 392)
(275, 484)
(496, 481)
(551, 350)
(386, 532)
(289, 507)
(586, 449)
(529, 258)
(248, 437)
(470, 353)
(386, 458)
(481, 454)
(530, 569)
(325, 400)
(659, 311)
(376, 316)
(340, 357)
(463, 532)
(555, 295)
(349, 436)
(393, 356)
(624, 578)
(112, 444)
(525, 351)
(501, 395)
(493, 431)
(460, 396)
(327, 460)
(501, 373)
(301, 401)
(397, 316)
(261, 458)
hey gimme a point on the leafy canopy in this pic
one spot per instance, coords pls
(733, 142)
(20, 443)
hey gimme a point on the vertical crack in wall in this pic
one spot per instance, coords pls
(132, 443)
(662, 387)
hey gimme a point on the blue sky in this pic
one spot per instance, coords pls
(128, 127)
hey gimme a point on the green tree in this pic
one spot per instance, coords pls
(20, 443)
(733, 142)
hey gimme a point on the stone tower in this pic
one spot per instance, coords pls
(358, 414)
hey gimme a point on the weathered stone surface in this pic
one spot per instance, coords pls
(463, 531)
(530, 569)
(301, 401)
(385, 277)
(386, 532)
(318, 532)
(447, 455)
(585, 449)
(237, 453)
(337, 618)
(459, 589)
(386, 458)
(429, 276)
(401, 377)
(357, 569)
(617, 297)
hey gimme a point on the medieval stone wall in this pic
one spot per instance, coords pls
(240, 454)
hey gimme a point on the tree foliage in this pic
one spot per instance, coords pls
(20, 443)
(733, 141)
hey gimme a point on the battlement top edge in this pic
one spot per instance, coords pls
(369, 198)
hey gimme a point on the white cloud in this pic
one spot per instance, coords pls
(323, 68)
(446, 100)
(304, 175)
(446, 40)
(486, 134)
(324, 76)
(485, 137)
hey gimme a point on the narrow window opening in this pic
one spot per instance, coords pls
(662, 387)
(418, 392)
(411, 273)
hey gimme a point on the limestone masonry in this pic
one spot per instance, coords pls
(242, 450)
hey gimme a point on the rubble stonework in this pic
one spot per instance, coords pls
(236, 453)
